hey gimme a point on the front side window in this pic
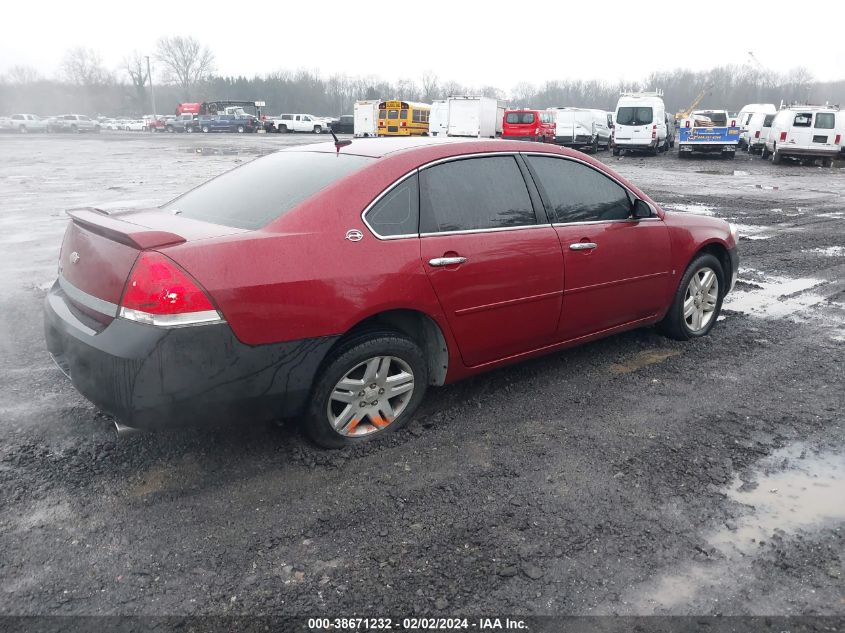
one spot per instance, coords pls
(634, 115)
(825, 121)
(579, 193)
(398, 212)
(474, 194)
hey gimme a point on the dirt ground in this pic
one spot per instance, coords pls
(635, 475)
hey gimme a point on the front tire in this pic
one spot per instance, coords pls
(240, 129)
(205, 129)
(352, 402)
(697, 301)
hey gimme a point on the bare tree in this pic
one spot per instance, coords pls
(430, 91)
(23, 75)
(187, 61)
(84, 67)
(135, 66)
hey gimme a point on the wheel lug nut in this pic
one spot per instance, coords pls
(374, 402)
(362, 403)
(380, 391)
(361, 394)
(373, 386)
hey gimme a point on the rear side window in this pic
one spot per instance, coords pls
(634, 115)
(825, 121)
(473, 194)
(803, 119)
(398, 212)
(251, 196)
(579, 193)
(524, 118)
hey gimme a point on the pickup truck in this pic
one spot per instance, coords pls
(183, 123)
(23, 123)
(300, 123)
(708, 131)
(74, 123)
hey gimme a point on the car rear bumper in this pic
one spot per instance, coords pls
(152, 377)
(634, 144)
(537, 139)
(707, 147)
(821, 151)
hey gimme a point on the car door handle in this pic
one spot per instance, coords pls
(582, 246)
(446, 261)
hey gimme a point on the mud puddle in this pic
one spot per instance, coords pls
(698, 209)
(768, 296)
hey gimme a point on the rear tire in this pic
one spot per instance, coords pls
(676, 324)
(335, 416)
(777, 157)
(615, 151)
(205, 129)
(764, 153)
(318, 129)
(240, 129)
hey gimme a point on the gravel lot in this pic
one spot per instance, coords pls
(635, 475)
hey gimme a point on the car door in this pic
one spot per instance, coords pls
(492, 257)
(617, 268)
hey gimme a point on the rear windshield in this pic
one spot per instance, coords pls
(767, 122)
(520, 117)
(719, 119)
(825, 120)
(261, 191)
(631, 115)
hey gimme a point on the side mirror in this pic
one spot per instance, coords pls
(643, 209)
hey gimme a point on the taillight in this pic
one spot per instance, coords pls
(783, 136)
(654, 131)
(687, 124)
(404, 124)
(757, 134)
(733, 123)
(160, 292)
(838, 138)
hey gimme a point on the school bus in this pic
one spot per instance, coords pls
(403, 118)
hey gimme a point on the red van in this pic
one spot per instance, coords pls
(529, 125)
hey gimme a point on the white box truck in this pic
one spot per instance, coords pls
(365, 120)
(479, 117)
(438, 118)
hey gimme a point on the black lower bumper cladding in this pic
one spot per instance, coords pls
(153, 377)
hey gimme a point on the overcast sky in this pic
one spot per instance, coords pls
(474, 43)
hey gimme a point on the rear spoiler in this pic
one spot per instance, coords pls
(122, 232)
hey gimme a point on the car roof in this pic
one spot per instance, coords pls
(450, 146)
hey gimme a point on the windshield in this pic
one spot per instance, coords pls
(524, 118)
(261, 191)
(634, 115)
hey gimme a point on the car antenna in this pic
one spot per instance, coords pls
(338, 143)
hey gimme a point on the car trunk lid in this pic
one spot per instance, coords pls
(99, 251)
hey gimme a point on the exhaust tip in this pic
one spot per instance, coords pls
(125, 431)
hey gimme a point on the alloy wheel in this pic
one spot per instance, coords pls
(701, 298)
(369, 397)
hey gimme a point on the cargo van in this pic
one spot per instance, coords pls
(640, 123)
(479, 117)
(743, 118)
(365, 119)
(806, 133)
(438, 119)
(757, 131)
(529, 125)
(581, 128)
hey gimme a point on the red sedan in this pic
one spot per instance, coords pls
(336, 284)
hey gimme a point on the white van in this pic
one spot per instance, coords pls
(757, 131)
(365, 118)
(743, 118)
(438, 118)
(804, 132)
(581, 128)
(640, 123)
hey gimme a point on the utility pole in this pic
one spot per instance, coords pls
(152, 92)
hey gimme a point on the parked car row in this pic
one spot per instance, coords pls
(26, 123)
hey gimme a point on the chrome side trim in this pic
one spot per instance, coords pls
(89, 301)
(203, 317)
(498, 229)
(626, 220)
